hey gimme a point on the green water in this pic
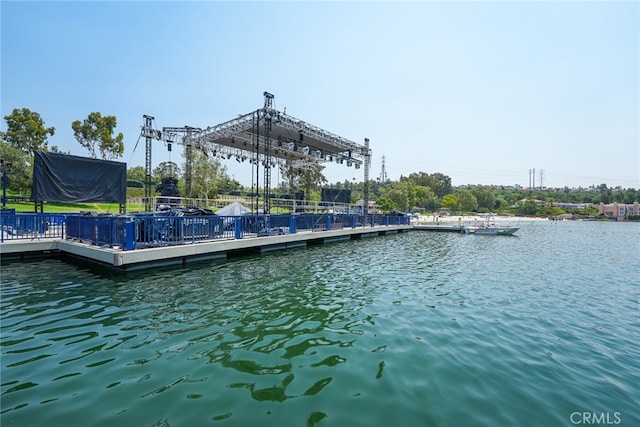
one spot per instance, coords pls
(415, 329)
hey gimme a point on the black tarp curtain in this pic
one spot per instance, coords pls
(65, 178)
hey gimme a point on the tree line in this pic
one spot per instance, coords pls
(418, 192)
(26, 133)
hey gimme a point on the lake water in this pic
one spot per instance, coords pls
(415, 329)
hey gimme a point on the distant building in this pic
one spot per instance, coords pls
(571, 206)
(619, 211)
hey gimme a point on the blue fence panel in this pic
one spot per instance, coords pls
(199, 228)
(152, 230)
(23, 226)
(161, 228)
(280, 224)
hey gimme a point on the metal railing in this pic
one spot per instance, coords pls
(278, 204)
(129, 232)
(30, 226)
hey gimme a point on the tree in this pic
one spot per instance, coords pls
(425, 198)
(421, 178)
(484, 198)
(438, 182)
(466, 200)
(309, 177)
(166, 170)
(528, 207)
(402, 193)
(449, 201)
(56, 149)
(501, 203)
(386, 204)
(136, 173)
(209, 176)
(19, 177)
(26, 131)
(98, 130)
(631, 195)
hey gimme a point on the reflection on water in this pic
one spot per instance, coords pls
(403, 329)
(260, 317)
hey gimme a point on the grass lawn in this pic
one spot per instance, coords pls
(66, 207)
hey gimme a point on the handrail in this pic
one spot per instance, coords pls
(128, 232)
(25, 226)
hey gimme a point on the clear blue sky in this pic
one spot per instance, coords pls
(480, 91)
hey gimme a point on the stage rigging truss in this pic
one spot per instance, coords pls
(268, 138)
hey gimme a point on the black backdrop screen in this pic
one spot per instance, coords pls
(336, 195)
(64, 178)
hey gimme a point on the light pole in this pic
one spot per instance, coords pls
(6, 167)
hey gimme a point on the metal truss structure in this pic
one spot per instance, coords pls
(266, 137)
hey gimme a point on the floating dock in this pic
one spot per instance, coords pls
(187, 253)
(438, 227)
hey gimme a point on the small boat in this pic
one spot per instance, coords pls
(488, 227)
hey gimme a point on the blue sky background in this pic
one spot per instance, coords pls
(480, 91)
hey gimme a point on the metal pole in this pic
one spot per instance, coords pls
(148, 126)
(4, 188)
(266, 182)
(367, 162)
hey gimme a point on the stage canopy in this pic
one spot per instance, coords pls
(268, 134)
(266, 138)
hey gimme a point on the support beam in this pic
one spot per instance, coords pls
(267, 116)
(148, 134)
(367, 164)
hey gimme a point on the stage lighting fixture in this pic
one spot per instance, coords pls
(305, 150)
(318, 154)
(292, 146)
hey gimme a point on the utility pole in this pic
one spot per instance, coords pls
(383, 172)
(533, 177)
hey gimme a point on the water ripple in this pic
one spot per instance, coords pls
(413, 329)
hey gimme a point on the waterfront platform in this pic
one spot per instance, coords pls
(127, 260)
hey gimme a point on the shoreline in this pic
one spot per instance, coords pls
(454, 219)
